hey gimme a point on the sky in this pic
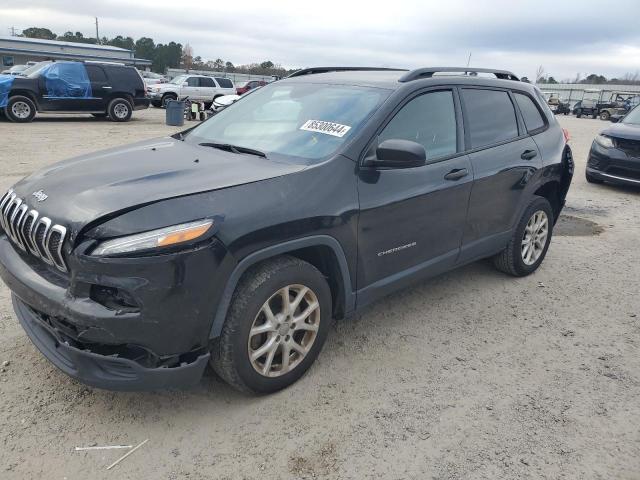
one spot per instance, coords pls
(565, 37)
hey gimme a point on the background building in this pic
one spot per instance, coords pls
(20, 50)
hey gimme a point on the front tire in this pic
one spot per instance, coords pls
(119, 110)
(530, 240)
(277, 323)
(20, 109)
(604, 115)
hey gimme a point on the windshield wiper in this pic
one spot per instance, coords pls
(234, 148)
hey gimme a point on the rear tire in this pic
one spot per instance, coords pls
(20, 109)
(534, 231)
(119, 110)
(604, 115)
(578, 113)
(248, 330)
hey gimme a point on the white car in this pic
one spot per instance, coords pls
(197, 87)
(151, 78)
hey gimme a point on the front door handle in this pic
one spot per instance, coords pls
(107, 88)
(456, 174)
(528, 154)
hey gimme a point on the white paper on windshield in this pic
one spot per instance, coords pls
(328, 128)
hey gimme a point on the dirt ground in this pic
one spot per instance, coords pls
(471, 375)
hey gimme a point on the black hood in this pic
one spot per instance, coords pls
(623, 130)
(86, 188)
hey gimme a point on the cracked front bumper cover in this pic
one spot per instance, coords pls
(109, 372)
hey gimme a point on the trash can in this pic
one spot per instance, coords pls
(175, 113)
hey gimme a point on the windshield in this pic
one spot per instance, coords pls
(34, 70)
(179, 79)
(633, 117)
(303, 120)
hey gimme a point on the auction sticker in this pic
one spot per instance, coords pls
(328, 128)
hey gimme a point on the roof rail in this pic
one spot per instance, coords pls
(430, 71)
(312, 70)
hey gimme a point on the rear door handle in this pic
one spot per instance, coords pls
(528, 154)
(456, 174)
(107, 88)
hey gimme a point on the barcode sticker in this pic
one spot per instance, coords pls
(328, 128)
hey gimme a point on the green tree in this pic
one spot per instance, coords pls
(267, 65)
(145, 48)
(229, 67)
(77, 37)
(121, 42)
(37, 32)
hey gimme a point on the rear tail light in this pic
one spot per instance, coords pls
(567, 137)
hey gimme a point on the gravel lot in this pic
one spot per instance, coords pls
(470, 375)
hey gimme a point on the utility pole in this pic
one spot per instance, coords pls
(97, 33)
(13, 31)
(469, 59)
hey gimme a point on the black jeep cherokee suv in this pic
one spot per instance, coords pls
(236, 242)
(101, 89)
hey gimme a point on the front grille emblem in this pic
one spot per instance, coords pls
(40, 195)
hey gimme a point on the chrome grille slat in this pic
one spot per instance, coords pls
(31, 232)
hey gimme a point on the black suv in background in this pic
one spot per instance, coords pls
(101, 89)
(236, 242)
(615, 153)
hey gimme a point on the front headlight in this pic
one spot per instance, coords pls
(163, 237)
(604, 141)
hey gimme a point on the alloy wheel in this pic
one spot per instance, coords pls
(535, 237)
(21, 110)
(284, 330)
(121, 110)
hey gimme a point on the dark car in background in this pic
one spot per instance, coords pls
(250, 86)
(615, 153)
(101, 89)
(236, 242)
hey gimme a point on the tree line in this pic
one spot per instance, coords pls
(592, 79)
(162, 56)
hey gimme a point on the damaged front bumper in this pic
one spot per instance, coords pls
(112, 371)
(160, 341)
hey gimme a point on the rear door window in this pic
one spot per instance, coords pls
(490, 116)
(531, 115)
(207, 82)
(224, 82)
(96, 73)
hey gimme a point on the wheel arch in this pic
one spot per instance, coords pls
(322, 251)
(25, 93)
(551, 191)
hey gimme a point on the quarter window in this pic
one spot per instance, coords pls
(532, 118)
(490, 116)
(429, 120)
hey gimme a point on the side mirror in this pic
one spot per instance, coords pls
(395, 153)
(614, 119)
